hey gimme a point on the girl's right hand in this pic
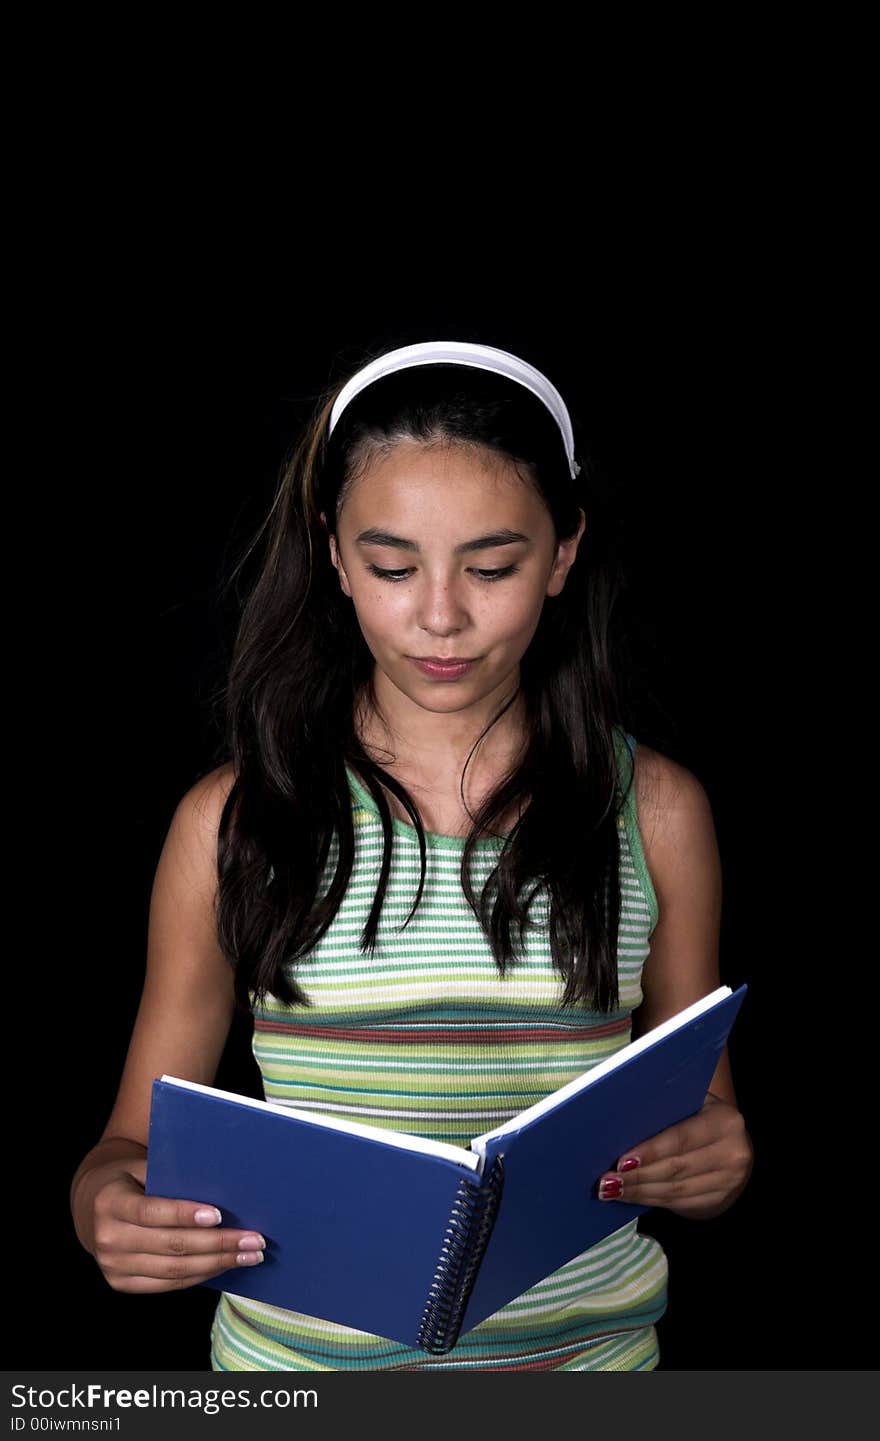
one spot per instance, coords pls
(149, 1243)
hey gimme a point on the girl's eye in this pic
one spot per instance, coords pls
(489, 575)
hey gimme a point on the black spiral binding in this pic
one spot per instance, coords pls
(464, 1244)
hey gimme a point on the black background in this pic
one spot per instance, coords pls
(163, 412)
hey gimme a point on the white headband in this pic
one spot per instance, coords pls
(462, 352)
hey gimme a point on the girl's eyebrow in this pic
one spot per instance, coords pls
(482, 542)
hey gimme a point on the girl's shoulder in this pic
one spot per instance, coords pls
(651, 779)
(215, 784)
(662, 783)
(200, 808)
(674, 811)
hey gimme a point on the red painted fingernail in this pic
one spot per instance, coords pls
(630, 1163)
(611, 1189)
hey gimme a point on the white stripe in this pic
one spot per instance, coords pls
(404, 1114)
(295, 1058)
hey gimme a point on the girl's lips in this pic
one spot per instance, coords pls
(443, 672)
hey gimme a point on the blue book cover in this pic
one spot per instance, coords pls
(412, 1239)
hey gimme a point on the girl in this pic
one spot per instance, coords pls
(435, 867)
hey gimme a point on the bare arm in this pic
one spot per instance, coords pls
(681, 851)
(699, 1167)
(181, 1028)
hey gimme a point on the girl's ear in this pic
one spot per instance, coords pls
(331, 538)
(337, 563)
(565, 557)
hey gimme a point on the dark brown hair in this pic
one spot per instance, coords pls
(300, 666)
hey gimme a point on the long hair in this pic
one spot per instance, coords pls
(300, 668)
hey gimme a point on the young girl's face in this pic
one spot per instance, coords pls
(421, 587)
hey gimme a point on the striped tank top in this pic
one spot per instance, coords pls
(426, 1037)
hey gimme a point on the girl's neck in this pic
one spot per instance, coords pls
(438, 747)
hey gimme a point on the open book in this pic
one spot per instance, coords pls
(414, 1239)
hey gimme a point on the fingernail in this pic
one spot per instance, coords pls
(611, 1189)
(630, 1163)
(249, 1258)
(208, 1216)
(251, 1243)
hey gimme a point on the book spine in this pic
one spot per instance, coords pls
(464, 1245)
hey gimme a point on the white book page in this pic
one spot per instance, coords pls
(468, 1159)
(580, 1083)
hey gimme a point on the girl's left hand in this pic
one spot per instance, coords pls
(696, 1169)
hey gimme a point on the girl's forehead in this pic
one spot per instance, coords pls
(413, 471)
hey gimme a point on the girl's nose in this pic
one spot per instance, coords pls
(443, 606)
